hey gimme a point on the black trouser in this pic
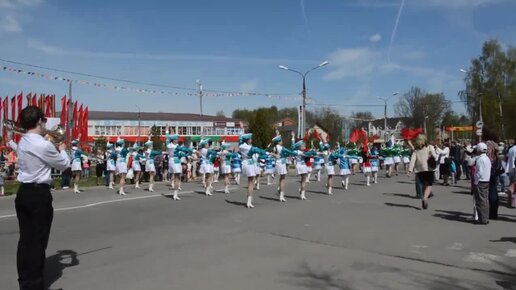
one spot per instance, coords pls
(493, 197)
(35, 213)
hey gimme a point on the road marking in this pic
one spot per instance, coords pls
(481, 258)
(110, 201)
(420, 246)
(511, 253)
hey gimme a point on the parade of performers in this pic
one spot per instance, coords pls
(360, 153)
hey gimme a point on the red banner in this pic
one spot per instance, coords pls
(13, 108)
(79, 123)
(35, 100)
(6, 108)
(85, 125)
(47, 107)
(20, 104)
(63, 111)
(74, 119)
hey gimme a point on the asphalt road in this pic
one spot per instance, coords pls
(363, 238)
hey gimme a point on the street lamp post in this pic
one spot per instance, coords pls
(303, 75)
(385, 110)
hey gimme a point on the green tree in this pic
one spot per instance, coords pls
(261, 128)
(155, 133)
(491, 85)
(419, 107)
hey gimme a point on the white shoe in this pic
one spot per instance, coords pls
(249, 202)
(303, 197)
(207, 192)
(282, 197)
(329, 191)
(176, 197)
(179, 188)
(151, 189)
(343, 184)
(226, 190)
(111, 187)
(121, 192)
(257, 186)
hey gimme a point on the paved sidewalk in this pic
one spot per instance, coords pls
(364, 238)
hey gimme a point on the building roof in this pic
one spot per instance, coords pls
(391, 122)
(151, 116)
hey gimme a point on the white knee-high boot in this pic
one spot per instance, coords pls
(250, 202)
(176, 195)
(368, 180)
(282, 196)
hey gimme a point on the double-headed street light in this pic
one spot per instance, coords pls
(302, 123)
(385, 109)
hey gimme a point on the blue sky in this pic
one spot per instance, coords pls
(237, 45)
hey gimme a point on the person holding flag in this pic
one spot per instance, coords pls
(281, 153)
(225, 156)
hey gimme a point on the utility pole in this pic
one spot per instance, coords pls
(69, 116)
(199, 93)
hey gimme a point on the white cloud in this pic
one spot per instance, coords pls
(10, 24)
(11, 14)
(55, 50)
(249, 85)
(375, 37)
(352, 62)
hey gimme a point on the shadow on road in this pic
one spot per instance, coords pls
(454, 216)
(269, 198)
(462, 192)
(405, 182)
(311, 278)
(505, 239)
(239, 203)
(55, 265)
(317, 192)
(401, 195)
(402, 205)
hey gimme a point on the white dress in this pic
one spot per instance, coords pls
(281, 162)
(301, 167)
(206, 165)
(249, 166)
(121, 163)
(76, 162)
(136, 163)
(110, 162)
(149, 164)
(174, 164)
(225, 164)
(328, 164)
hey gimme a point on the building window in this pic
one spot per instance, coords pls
(207, 131)
(196, 130)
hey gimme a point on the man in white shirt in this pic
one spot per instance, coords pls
(482, 176)
(511, 172)
(36, 157)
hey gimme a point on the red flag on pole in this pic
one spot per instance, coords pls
(63, 111)
(5, 108)
(13, 108)
(20, 105)
(316, 135)
(79, 122)
(85, 124)
(47, 106)
(74, 119)
(34, 101)
(40, 101)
